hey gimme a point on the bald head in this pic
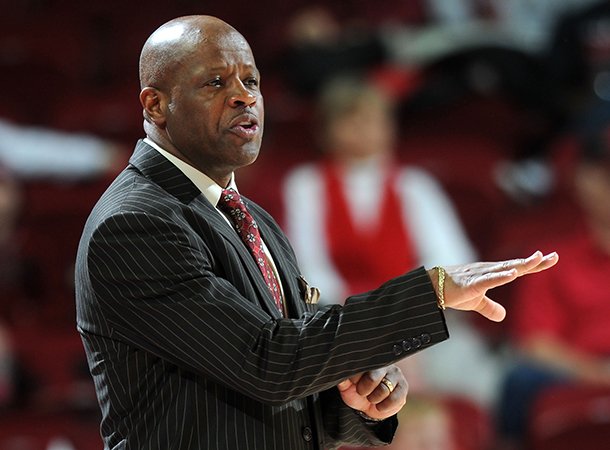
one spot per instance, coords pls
(173, 41)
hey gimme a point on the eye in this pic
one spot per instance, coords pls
(216, 82)
(252, 81)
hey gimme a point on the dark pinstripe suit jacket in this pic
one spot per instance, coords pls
(185, 346)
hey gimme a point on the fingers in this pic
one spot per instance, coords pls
(395, 401)
(382, 391)
(532, 264)
(346, 384)
(356, 378)
(522, 265)
(469, 284)
(547, 262)
(494, 279)
(491, 275)
(535, 263)
(386, 388)
(371, 380)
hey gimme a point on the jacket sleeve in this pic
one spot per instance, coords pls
(154, 285)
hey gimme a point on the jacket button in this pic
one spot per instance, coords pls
(425, 338)
(406, 345)
(307, 434)
(397, 350)
(416, 343)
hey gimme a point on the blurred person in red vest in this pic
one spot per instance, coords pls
(399, 215)
(362, 217)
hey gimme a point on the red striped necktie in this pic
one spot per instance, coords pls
(232, 204)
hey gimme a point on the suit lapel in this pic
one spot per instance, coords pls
(163, 172)
(219, 224)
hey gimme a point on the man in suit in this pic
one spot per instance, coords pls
(199, 331)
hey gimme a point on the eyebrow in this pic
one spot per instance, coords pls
(221, 68)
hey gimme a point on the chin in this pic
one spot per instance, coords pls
(249, 161)
(250, 153)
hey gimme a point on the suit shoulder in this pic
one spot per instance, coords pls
(132, 192)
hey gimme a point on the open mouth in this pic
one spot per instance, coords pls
(245, 127)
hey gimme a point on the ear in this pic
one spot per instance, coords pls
(152, 101)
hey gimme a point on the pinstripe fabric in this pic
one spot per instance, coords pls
(185, 345)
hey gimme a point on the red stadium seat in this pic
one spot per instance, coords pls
(571, 417)
(28, 430)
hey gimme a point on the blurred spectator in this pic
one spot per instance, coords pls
(41, 216)
(579, 54)
(321, 47)
(7, 369)
(9, 276)
(9, 209)
(561, 319)
(357, 204)
(358, 193)
(10, 267)
(35, 152)
(425, 424)
(54, 172)
(575, 50)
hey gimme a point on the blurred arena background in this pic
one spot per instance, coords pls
(490, 98)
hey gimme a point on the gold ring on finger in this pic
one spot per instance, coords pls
(387, 383)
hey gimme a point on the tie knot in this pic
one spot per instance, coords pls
(233, 205)
(230, 199)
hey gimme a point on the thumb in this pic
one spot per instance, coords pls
(491, 310)
(345, 385)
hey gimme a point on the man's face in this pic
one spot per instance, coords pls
(215, 111)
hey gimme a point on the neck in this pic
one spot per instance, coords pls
(221, 178)
(161, 138)
(222, 181)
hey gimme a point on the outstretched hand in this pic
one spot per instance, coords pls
(379, 393)
(466, 285)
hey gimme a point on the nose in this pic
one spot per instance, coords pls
(241, 96)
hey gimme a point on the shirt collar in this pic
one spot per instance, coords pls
(208, 187)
